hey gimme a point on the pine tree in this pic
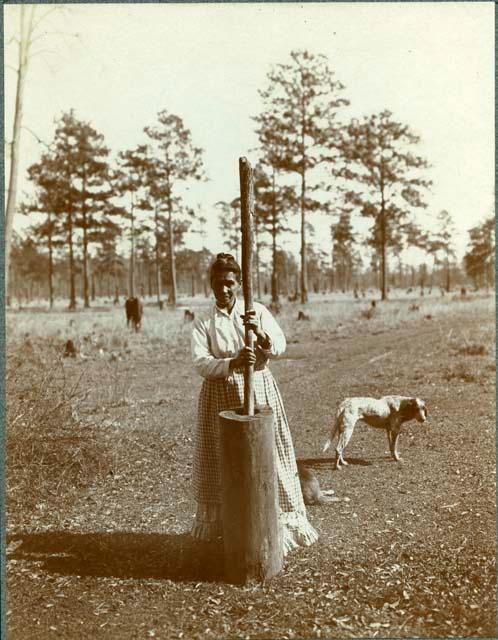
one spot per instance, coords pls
(343, 241)
(46, 201)
(445, 243)
(80, 157)
(229, 222)
(176, 160)
(301, 103)
(378, 159)
(479, 260)
(129, 178)
(273, 205)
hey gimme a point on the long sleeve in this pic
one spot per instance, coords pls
(270, 326)
(205, 363)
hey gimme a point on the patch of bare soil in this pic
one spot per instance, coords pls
(411, 555)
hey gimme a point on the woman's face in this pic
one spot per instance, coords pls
(225, 287)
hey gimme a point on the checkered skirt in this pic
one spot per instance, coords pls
(227, 394)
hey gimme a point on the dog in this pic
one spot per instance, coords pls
(388, 413)
(310, 487)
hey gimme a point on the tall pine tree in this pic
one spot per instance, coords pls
(300, 106)
(176, 160)
(386, 177)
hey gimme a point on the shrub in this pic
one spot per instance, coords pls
(49, 455)
(473, 349)
(463, 373)
(368, 314)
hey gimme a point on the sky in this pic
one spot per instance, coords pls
(118, 65)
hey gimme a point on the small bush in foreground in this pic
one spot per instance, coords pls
(473, 349)
(461, 371)
(49, 455)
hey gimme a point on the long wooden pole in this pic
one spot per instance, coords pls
(247, 226)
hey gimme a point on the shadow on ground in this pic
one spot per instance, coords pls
(330, 462)
(122, 555)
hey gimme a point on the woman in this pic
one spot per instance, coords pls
(219, 356)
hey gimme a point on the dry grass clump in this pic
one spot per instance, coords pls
(368, 314)
(464, 372)
(473, 349)
(480, 342)
(49, 456)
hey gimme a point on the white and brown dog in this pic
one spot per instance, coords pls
(387, 413)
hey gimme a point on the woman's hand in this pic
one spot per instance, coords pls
(251, 322)
(246, 356)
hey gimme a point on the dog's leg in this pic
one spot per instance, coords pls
(392, 436)
(347, 427)
(395, 437)
(390, 440)
(337, 427)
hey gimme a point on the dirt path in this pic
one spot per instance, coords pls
(411, 555)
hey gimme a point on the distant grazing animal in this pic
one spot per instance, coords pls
(310, 487)
(388, 413)
(414, 307)
(188, 316)
(303, 316)
(69, 349)
(134, 311)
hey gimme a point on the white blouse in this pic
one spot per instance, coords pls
(219, 336)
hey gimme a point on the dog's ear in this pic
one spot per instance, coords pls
(409, 408)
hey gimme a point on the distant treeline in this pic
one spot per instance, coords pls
(119, 223)
(110, 282)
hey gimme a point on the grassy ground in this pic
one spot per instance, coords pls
(98, 543)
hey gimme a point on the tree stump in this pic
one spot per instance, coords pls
(252, 535)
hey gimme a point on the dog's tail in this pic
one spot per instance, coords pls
(335, 429)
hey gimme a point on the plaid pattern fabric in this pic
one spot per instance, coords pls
(227, 394)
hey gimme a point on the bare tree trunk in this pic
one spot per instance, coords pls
(304, 273)
(93, 287)
(24, 45)
(448, 275)
(173, 292)
(383, 264)
(72, 288)
(274, 284)
(149, 278)
(258, 275)
(86, 299)
(158, 266)
(132, 249)
(50, 265)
